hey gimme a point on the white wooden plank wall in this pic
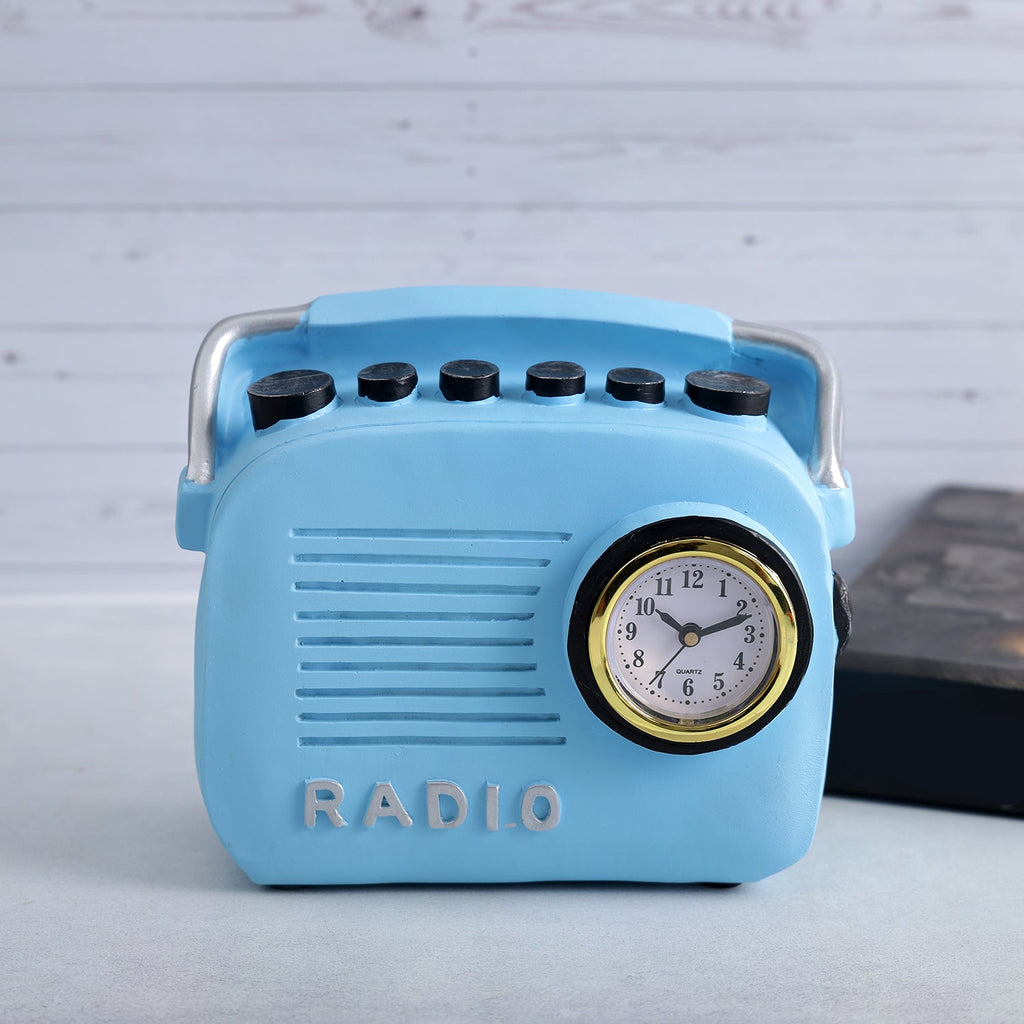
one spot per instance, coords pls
(853, 169)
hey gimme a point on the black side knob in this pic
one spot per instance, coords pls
(387, 382)
(633, 384)
(289, 395)
(734, 394)
(556, 379)
(842, 611)
(469, 380)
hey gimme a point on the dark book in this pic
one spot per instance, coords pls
(929, 703)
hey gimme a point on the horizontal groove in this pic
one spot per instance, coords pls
(472, 589)
(431, 741)
(456, 535)
(100, 568)
(414, 641)
(331, 692)
(415, 666)
(138, 327)
(526, 85)
(423, 716)
(939, 444)
(339, 616)
(92, 448)
(328, 207)
(103, 327)
(433, 560)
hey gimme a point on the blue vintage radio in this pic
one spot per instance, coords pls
(513, 584)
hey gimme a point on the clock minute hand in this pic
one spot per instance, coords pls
(725, 624)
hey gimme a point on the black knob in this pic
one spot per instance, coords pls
(289, 395)
(387, 382)
(841, 611)
(556, 380)
(734, 394)
(633, 384)
(469, 380)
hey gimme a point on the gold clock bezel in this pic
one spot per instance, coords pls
(678, 730)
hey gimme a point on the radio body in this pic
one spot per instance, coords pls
(479, 617)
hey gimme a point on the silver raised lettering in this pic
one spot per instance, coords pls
(528, 811)
(492, 807)
(329, 806)
(384, 803)
(437, 789)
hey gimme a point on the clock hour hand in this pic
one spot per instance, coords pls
(689, 635)
(668, 620)
(725, 624)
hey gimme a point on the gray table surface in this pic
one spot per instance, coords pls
(118, 903)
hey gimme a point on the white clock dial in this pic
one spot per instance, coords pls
(693, 638)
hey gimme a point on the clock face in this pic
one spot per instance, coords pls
(692, 637)
(691, 642)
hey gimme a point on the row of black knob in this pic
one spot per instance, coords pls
(296, 393)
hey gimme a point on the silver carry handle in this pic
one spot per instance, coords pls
(824, 463)
(206, 374)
